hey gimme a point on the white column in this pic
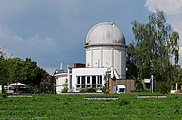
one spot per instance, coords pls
(101, 57)
(91, 81)
(80, 81)
(85, 81)
(112, 62)
(91, 57)
(69, 81)
(96, 81)
(152, 83)
(112, 72)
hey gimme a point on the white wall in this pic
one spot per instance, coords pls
(96, 57)
(88, 57)
(107, 56)
(60, 81)
(87, 72)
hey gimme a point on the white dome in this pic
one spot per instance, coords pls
(105, 33)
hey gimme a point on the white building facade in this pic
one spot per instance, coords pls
(88, 78)
(105, 52)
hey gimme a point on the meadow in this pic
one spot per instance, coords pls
(74, 107)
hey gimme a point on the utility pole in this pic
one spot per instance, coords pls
(152, 83)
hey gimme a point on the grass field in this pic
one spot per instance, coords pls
(74, 107)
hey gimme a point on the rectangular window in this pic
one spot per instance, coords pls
(83, 82)
(88, 86)
(94, 81)
(99, 85)
(100, 79)
(88, 79)
(78, 80)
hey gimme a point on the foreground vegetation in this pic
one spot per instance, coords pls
(74, 107)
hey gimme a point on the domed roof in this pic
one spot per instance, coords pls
(105, 33)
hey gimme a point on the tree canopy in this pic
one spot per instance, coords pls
(13, 70)
(155, 49)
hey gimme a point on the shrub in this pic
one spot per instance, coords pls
(105, 88)
(65, 90)
(88, 90)
(163, 87)
(139, 86)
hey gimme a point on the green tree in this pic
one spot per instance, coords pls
(13, 70)
(34, 75)
(155, 45)
(131, 72)
(16, 70)
(3, 72)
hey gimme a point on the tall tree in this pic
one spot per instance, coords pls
(155, 45)
(3, 72)
(34, 74)
(16, 70)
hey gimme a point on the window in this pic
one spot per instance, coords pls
(121, 89)
(99, 81)
(83, 82)
(88, 86)
(88, 79)
(94, 81)
(78, 82)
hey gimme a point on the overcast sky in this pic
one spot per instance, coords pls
(54, 31)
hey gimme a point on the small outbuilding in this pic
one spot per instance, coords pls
(120, 88)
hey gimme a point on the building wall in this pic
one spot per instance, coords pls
(107, 56)
(89, 57)
(77, 72)
(130, 84)
(61, 80)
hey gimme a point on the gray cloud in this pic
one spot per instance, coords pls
(53, 31)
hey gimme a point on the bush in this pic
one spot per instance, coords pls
(139, 86)
(88, 90)
(33, 89)
(105, 88)
(163, 87)
(65, 90)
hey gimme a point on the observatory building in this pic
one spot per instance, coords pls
(105, 59)
(105, 48)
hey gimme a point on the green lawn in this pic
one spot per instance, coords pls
(74, 107)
